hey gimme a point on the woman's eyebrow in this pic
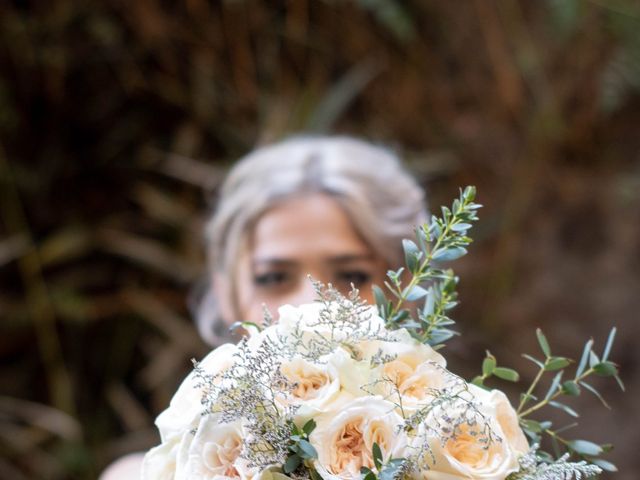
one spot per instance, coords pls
(357, 257)
(274, 261)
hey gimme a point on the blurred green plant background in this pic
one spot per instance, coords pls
(118, 120)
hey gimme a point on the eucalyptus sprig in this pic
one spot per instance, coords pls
(590, 364)
(391, 469)
(301, 452)
(441, 240)
(490, 369)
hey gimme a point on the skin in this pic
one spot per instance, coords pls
(306, 235)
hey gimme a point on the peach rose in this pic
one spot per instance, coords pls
(468, 454)
(344, 440)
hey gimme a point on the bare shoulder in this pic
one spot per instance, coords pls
(128, 467)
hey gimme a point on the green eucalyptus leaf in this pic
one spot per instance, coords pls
(416, 293)
(544, 343)
(461, 227)
(584, 447)
(609, 344)
(400, 316)
(507, 374)
(488, 365)
(307, 450)
(545, 457)
(378, 295)
(367, 473)
(292, 463)
(556, 363)
(534, 360)
(605, 369)
(422, 237)
(604, 465)
(532, 425)
(593, 359)
(469, 193)
(584, 358)
(571, 388)
(449, 254)
(565, 408)
(553, 388)
(440, 335)
(412, 255)
(309, 426)
(377, 456)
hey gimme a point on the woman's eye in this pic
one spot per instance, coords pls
(270, 279)
(357, 277)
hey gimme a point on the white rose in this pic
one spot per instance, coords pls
(508, 419)
(305, 318)
(162, 462)
(467, 454)
(185, 408)
(215, 451)
(344, 440)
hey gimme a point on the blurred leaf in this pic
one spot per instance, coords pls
(13, 247)
(392, 15)
(334, 103)
(43, 416)
(149, 253)
(66, 244)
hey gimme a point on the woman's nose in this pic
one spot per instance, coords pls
(305, 292)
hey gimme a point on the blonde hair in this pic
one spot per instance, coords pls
(383, 201)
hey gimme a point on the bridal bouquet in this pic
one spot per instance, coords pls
(339, 389)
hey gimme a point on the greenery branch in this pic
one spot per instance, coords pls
(440, 240)
(590, 364)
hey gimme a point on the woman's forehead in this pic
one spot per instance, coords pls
(313, 224)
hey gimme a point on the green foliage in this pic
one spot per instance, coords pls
(490, 368)
(590, 364)
(300, 450)
(442, 240)
(391, 469)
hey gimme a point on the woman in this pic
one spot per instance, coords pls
(333, 208)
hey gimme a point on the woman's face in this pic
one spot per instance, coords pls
(306, 235)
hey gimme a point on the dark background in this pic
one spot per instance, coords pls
(119, 118)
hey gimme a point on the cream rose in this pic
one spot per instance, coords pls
(315, 388)
(323, 386)
(185, 408)
(508, 419)
(164, 461)
(467, 454)
(214, 452)
(344, 440)
(417, 387)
